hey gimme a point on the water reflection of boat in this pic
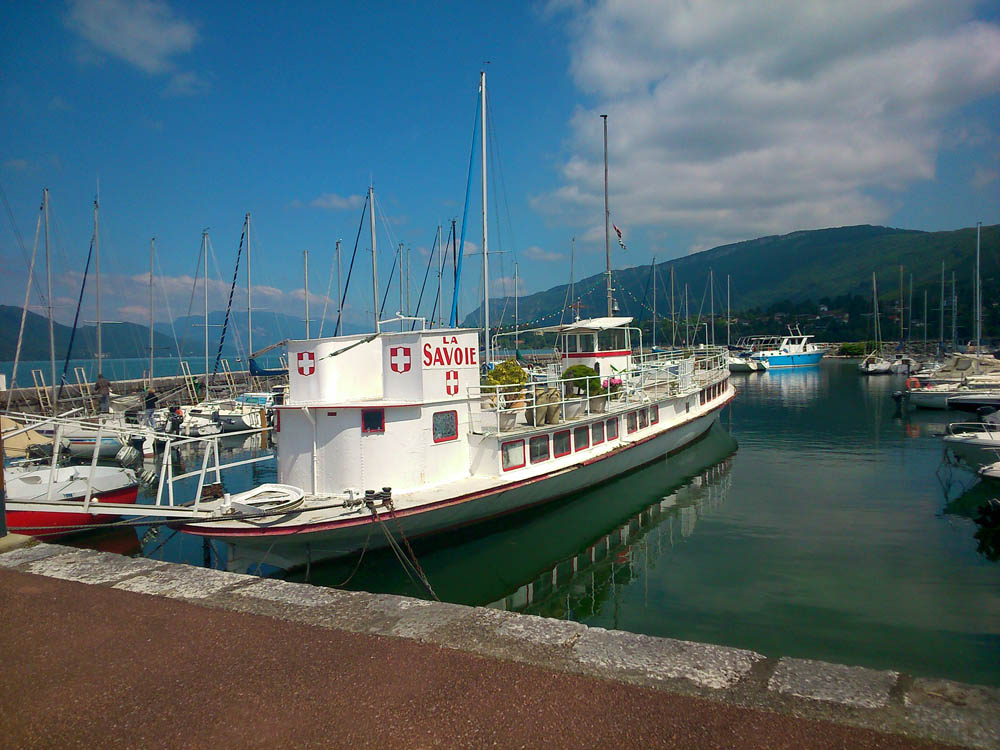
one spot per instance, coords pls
(508, 556)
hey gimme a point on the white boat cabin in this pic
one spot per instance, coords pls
(602, 343)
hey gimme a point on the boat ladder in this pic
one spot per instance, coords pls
(227, 375)
(189, 383)
(84, 385)
(42, 391)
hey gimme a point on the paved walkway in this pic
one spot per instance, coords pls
(87, 666)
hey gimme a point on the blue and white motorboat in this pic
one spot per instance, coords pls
(791, 350)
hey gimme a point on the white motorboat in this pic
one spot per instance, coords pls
(419, 440)
(975, 443)
(791, 350)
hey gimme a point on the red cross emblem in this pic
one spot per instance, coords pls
(451, 382)
(399, 358)
(306, 363)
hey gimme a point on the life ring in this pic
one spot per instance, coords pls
(912, 384)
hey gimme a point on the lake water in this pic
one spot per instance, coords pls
(814, 521)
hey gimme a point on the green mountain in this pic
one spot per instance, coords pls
(809, 265)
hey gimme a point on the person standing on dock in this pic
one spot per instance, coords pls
(150, 402)
(103, 390)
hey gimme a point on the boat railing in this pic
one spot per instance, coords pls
(985, 428)
(508, 407)
(169, 469)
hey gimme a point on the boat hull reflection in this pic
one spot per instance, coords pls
(519, 563)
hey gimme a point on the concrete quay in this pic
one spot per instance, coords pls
(102, 648)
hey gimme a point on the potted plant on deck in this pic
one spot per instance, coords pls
(583, 382)
(506, 380)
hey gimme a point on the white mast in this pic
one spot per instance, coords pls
(371, 222)
(516, 325)
(941, 332)
(878, 345)
(399, 260)
(97, 268)
(711, 283)
(440, 303)
(249, 303)
(653, 269)
(152, 250)
(979, 294)
(48, 273)
(204, 247)
(607, 219)
(486, 252)
(728, 313)
(340, 309)
(673, 310)
(305, 261)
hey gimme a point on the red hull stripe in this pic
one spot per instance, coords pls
(25, 521)
(313, 527)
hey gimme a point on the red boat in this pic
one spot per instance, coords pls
(109, 484)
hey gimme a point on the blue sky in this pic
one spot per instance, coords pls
(726, 123)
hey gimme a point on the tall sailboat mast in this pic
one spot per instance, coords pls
(340, 304)
(486, 251)
(249, 300)
(48, 274)
(371, 222)
(204, 252)
(440, 259)
(97, 269)
(979, 294)
(653, 270)
(728, 313)
(607, 219)
(152, 250)
(305, 271)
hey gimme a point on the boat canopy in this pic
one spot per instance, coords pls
(590, 325)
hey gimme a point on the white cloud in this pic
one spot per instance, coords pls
(533, 252)
(745, 119)
(334, 202)
(144, 33)
(186, 83)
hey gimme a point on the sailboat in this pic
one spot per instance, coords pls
(874, 363)
(418, 441)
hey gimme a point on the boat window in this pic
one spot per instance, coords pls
(643, 419)
(613, 428)
(571, 343)
(632, 421)
(539, 448)
(560, 443)
(597, 433)
(587, 343)
(612, 340)
(444, 426)
(512, 454)
(581, 437)
(701, 395)
(373, 420)
(654, 414)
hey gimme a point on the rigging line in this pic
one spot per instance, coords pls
(229, 305)
(420, 297)
(76, 320)
(238, 343)
(166, 301)
(340, 312)
(389, 282)
(194, 288)
(24, 312)
(20, 240)
(465, 216)
(326, 299)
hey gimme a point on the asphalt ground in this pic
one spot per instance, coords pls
(87, 666)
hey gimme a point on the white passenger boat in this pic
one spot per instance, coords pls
(397, 426)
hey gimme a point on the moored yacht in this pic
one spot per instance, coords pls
(791, 350)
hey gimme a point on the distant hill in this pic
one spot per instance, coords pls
(807, 265)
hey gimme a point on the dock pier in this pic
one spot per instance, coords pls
(178, 655)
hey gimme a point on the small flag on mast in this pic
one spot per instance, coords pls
(619, 233)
